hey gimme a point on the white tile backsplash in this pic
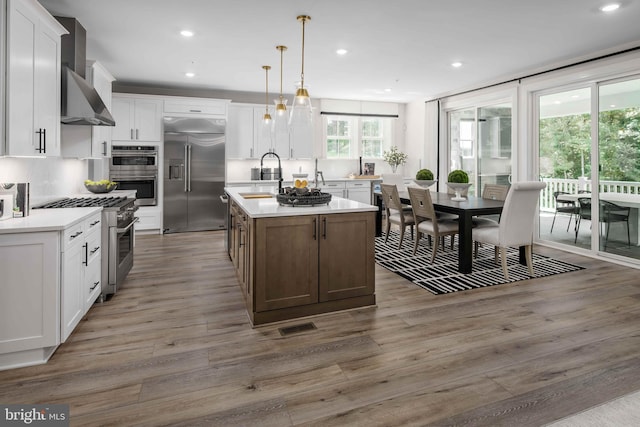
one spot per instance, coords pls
(50, 177)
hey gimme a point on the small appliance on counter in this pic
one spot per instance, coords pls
(6, 206)
(17, 194)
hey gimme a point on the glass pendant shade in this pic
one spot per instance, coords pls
(281, 118)
(301, 109)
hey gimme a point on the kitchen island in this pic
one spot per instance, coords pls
(299, 261)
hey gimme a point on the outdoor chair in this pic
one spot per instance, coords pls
(516, 223)
(609, 213)
(395, 212)
(427, 221)
(564, 207)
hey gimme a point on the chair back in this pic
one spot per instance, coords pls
(394, 179)
(495, 191)
(391, 197)
(584, 210)
(520, 207)
(421, 204)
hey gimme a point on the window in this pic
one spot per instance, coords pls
(348, 137)
(339, 138)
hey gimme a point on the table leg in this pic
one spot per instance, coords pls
(465, 244)
(521, 256)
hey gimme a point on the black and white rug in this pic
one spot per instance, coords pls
(442, 276)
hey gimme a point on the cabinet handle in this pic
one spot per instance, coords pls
(75, 235)
(131, 133)
(104, 149)
(137, 137)
(39, 132)
(86, 254)
(324, 228)
(94, 223)
(291, 152)
(195, 111)
(251, 152)
(96, 249)
(95, 284)
(44, 140)
(315, 226)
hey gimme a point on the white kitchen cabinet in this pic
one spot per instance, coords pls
(138, 119)
(196, 106)
(33, 80)
(81, 265)
(336, 188)
(30, 296)
(92, 142)
(245, 136)
(359, 191)
(149, 219)
(301, 143)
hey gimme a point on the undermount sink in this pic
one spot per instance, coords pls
(256, 195)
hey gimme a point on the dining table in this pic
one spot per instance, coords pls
(466, 210)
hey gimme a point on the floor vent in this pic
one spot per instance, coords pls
(297, 328)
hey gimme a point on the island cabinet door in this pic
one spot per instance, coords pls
(286, 262)
(347, 251)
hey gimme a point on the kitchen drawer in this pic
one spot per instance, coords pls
(73, 236)
(92, 287)
(333, 185)
(93, 248)
(195, 106)
(358, 184)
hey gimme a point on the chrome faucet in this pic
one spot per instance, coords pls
(315, 175)
(273, 153)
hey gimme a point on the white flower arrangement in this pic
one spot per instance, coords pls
(394, 157)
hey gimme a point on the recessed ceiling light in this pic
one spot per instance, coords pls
(387, 90)
(612, 106)
(456, 64)
(610, 7)
(190, 74)
(342, 51)
(557, 102)
(186, 33)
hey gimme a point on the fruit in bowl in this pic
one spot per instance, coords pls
(102, 186)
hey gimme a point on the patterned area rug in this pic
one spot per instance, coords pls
(442, 276)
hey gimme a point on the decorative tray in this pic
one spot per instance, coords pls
(303, 200)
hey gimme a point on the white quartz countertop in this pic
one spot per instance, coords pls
(47, 220)
(310, 180)
(269, 207)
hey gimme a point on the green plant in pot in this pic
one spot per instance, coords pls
(424, 178)
(458, 181)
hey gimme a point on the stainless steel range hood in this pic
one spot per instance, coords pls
(80, 103)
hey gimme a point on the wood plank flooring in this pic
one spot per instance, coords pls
(174, 347)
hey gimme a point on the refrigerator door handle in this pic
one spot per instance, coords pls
(186, 173)
(189, 167)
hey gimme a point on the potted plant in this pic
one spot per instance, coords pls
(458, 181)
(424, 178)
(395, 158)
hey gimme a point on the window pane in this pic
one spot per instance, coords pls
(371, 148)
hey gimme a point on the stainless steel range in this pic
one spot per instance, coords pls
(117, 235)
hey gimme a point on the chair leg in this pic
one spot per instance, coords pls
(434, 251)
(495, 254)
(401, 237)
(553, 222)
(453, 239)
(388, 229)
(416, 241)
(475, 249)
(527, 254)
(504, 263)
(569, 223)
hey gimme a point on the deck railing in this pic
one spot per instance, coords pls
(548, 203)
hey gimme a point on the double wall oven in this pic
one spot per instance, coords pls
(135, 167)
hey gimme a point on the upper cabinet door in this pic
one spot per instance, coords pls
(137, 119)
(239, 134)
(33, 80)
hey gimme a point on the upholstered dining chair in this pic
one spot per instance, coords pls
(427, 222)
(516, 222)
(395, 212)
(491, 192)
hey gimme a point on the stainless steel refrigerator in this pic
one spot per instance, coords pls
(194, 171)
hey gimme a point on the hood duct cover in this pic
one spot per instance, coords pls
(80, 102)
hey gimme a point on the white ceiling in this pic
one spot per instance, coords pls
(399, 51)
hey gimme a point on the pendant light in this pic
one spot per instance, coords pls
(301, 108)
(266, 119)
(281, 120)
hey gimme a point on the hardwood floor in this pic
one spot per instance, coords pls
(174, 347)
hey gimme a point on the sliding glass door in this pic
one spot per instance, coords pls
(619, 167)
(591, 201)
(480, 144)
